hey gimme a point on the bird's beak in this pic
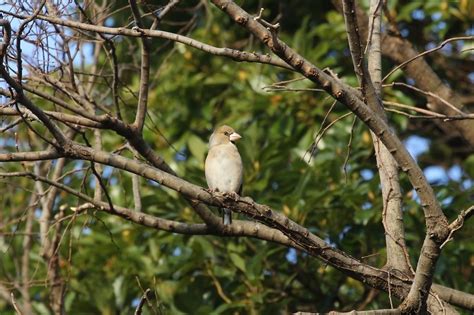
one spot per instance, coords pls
(234, 136)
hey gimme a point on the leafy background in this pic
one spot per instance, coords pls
(109, 262)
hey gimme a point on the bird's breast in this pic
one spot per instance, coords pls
(224, 168)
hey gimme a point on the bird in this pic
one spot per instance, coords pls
(223, 165)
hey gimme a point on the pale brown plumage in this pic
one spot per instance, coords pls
(223, 166)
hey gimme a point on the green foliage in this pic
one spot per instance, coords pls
(109, 262)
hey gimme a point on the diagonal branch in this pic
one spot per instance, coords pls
(240, 228)
(436, 222)
(298, 234)
(426, 52)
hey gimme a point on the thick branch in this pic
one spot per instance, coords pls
(392, 218)
(455, 297)
(397, 254)
(301, 237)
(29, 156)
(238, 227)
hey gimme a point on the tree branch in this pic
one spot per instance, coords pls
(400, 50)
(436, 221)
(234, 54)
(144, 70)
(370, 79)
(55, 131)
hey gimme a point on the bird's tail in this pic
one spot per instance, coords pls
(227, 218)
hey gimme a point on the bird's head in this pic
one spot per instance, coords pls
(222, 135)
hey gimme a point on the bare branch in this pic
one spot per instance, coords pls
(374, 312)
(437, 222)
(57, 133)
(426, 52)
(144, 70)
(435, 219)
(29, 156)
(146, 295)
(294, 233)
(236, 55)
(392, 215)
(458, 223)
(431, 94)
(15, 306)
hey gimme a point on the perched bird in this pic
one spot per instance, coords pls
(223, 165)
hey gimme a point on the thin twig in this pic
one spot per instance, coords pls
(217, 284)
(15, 306)
(313, 146)
(426, 53)
(427, 93)
(458, 223)
(144, 298)
(349, 147)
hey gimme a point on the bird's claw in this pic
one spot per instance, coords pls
(229, 194)
(211, 191)
(232, 195)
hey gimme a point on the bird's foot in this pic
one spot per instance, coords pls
(211, 190)
(232, 195)
(248, 201)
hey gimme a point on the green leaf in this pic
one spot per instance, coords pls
(238, 261)
(469, 165)
(197, 147)
(118, 291)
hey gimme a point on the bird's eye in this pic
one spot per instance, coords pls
(227, 133)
